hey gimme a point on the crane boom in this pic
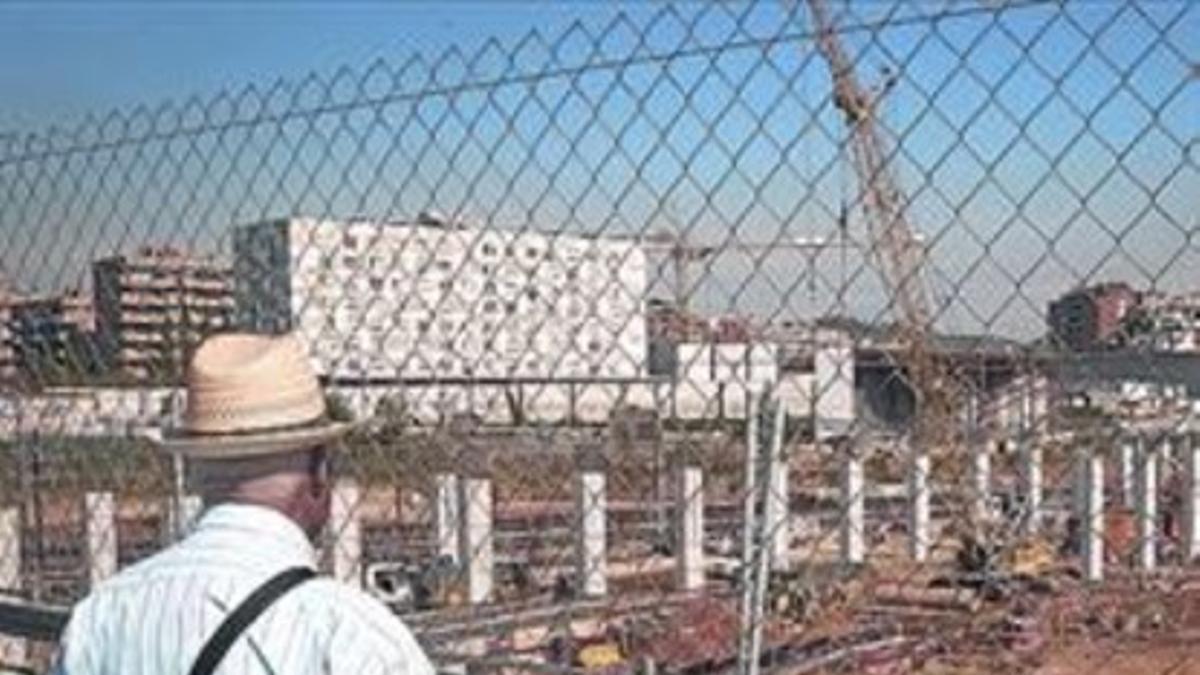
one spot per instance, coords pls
(897, 250)
(895, 247)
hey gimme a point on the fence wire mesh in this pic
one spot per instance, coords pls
(717, 336)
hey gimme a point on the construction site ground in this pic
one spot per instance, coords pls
(1163, 656)
(1175, 656)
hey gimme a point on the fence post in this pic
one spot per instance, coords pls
(777, 508)
(1092, 518)
(1147, 506)
(592, 510)
(918, 497)
(476, 538)
(853, 502)
(445, 515)
(1191, 497)
(689, 510)
(346, 541)
(12, 649)
(100, 511)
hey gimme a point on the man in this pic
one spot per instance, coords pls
(236, 595)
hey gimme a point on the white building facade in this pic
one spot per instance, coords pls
(427, 300)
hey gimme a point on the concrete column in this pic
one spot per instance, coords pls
(689, 510)
(186, 506)
(1031, 482)
(1191, 498)
(750, 470)
(445, 515)
(1079, 482)
(10, 548)
(476, 540)
(191, 509)
(833, 382)
(853, 505)
(777, 509)
(981, 479)
(1092, 520)
(1126, 467)
(346, 531)
(1147, 506)
(1166, 456)
(918, 504)
(100, 510)
(980, 460)
(591, 571)
(13, 650)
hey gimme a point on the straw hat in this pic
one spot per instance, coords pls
(250, 395)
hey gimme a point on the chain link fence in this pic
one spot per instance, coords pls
(790, 336)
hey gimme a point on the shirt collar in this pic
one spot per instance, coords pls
(265, 531)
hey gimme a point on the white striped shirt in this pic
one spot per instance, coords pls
(154, 618)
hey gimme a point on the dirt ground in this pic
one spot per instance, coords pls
(1159, 658)
(1175, 655)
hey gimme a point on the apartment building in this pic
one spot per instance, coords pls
(153, 305)
(8, 353)
(1167, 323)
(438, 300)
(1091, 318)
(50, 335)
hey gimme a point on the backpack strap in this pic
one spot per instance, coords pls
(244, 614)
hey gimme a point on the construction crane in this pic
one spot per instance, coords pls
(684, 254)
(898, 253)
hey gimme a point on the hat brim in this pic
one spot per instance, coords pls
(237, 446)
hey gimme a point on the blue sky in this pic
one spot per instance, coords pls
(1040, 147)
(59, 60)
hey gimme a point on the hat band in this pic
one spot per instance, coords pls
(318, 421)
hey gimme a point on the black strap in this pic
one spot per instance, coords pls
(244, 615)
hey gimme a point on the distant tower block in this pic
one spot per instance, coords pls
(101, 514)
